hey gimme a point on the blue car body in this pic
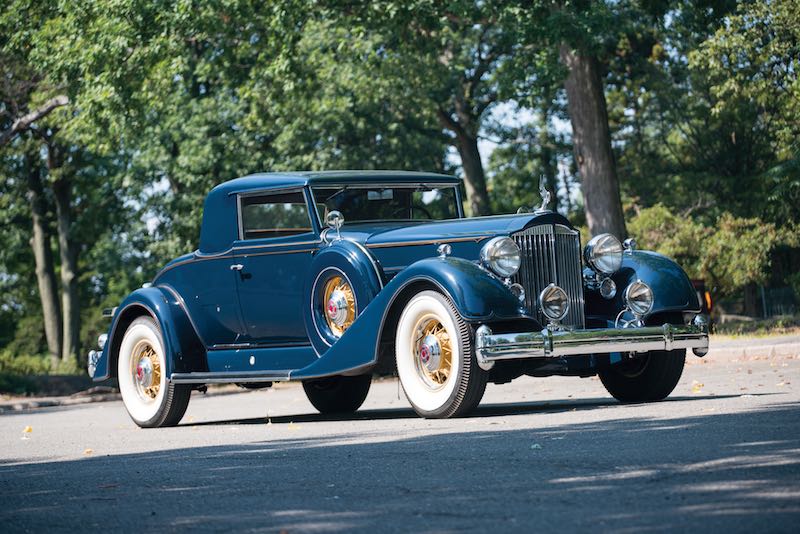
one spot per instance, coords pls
(238, 310)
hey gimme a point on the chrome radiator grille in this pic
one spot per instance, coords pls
(551, 254)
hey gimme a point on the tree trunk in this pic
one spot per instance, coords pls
(43, 258)
(752, 301)
(70, 307)
(69, 271)
(591, 139)
(474, 177)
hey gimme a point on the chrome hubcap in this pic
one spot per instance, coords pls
(430, 353)
(340, 305)
(337, 308)
(433, 352)
(144, 372)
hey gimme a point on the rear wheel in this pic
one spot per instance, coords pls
(338, 394)
(650, 377)
(435, 360)
(151, 401)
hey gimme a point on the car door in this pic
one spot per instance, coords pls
(273, 256)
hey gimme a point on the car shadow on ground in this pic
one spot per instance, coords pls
(484, 410)
(716, 472)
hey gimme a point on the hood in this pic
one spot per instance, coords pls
(398, 244)
(405, 232)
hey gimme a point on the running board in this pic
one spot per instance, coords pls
(230, 378)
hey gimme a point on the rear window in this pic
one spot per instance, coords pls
(276, 215)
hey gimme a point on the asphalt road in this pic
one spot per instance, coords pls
(722, 454)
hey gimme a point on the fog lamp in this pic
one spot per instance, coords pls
(639, 298)
(554, 302)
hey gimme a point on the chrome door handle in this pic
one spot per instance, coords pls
(237, 267)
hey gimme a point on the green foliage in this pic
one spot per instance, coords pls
(730, 253)
(12, 364)
(168, 99)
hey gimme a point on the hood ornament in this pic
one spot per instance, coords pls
(545, 196)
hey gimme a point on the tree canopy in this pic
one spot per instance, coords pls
(675, 120)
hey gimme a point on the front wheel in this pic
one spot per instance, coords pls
(650, 377)
(150, 399)
(338, 394)
(435, 361)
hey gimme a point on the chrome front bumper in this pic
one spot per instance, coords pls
(490, 348)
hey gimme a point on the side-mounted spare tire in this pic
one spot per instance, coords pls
(344, 278)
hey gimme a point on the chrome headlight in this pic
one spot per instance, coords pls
(502, 256)
(639, 298)
(101, 340)
(554, 302)
(603, 253)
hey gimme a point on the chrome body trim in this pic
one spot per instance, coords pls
(371, 259)
(230, 378)
(440, 241)
(490, 347)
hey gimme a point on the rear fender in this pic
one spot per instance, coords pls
(477, 295)
(183, 349)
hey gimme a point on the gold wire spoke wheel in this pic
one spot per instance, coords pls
(340, 305)
(146, 369)
(433, 352)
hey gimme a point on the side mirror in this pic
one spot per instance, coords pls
(335, 220)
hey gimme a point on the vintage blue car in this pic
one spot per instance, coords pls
(331, 277)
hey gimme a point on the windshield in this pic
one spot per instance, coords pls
(360, 204)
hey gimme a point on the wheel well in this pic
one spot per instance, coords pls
(127, 316)
(386, 363)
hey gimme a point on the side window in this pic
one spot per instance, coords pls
(279, 215)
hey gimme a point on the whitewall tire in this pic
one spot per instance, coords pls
(435, 360)
(150, 399)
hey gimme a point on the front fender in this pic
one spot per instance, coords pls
(476, 294)
(184, 351)
(672, 289)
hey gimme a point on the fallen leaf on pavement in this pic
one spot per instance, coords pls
(87, 451)
(27, 430)
(697, 387)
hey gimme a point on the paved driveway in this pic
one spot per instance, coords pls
(557, 454)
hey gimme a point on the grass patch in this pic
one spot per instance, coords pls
(785, 324)
(17, 372)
